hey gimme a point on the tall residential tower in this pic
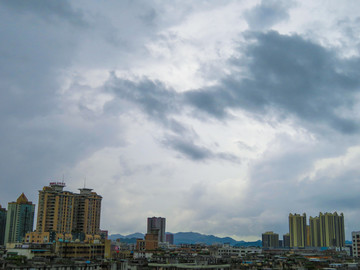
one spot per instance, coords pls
(297, 230)
(66, 213)
(270, 240)
(19, 219)
(327, 230)
(157, 223)
(3, 213)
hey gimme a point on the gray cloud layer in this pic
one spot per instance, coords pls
(288, 75)
(54, 120)
(292, 76)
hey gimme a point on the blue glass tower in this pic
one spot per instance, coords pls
(19, 220)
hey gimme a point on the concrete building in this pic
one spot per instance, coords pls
(152, 240)
(297, 230)
(66, 213)
(170, 238)
(230, 251)
(150, 243)
(70, 250)
(327, 230)
(175, 266)
(19, 219)
(286, 240)
(3, 214)
(355, 243)
(157, 223)
(91, 251)
(270, 240)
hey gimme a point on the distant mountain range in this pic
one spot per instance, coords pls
(193, 238)
(189, 238)
(133, 235)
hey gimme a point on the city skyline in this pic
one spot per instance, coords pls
(222, 117)
(327, 228)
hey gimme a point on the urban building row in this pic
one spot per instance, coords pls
(326, 230)
(271, 240)
(62, 215)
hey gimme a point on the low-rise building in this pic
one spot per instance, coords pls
(355, 243)
(230, 251)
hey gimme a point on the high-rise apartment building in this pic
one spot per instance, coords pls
(270, 240)
(66, 212)
(333, 229)
(297, 230)
(286, 240)
(88, 210)
(3, 214)
(55, 209)
(157, 223)
(19, 219)
(327, 230)
(315, 236)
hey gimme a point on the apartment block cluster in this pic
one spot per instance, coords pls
(66, 215)
(62, 215)
(325, 230)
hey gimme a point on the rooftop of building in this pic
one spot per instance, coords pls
(21, 200)
(58, 187)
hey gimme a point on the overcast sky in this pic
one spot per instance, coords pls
(222, 116)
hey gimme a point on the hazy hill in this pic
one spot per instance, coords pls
(197, 238)
(130, 236)
(190, 238)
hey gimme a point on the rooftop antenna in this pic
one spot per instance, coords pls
(85, 182)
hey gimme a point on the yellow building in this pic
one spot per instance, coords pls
(297, 230)
(94, 250)
(62, 214)
(329, 229)
(315, 237)
(87, 211)
(56, 209)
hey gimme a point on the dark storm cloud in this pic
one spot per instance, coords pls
(39, 139)
(31, 59)
(289, 75)
(188, 148)
(153, 97)
(267, 13)
(286, 75)
(161, 104)
(211, 101)
(48, 10)
(44, 46)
